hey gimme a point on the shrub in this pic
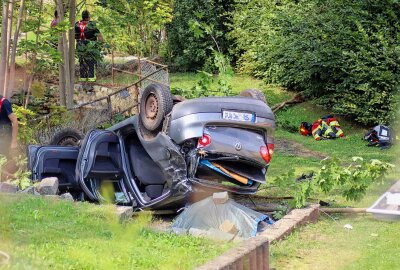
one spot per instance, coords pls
(344, 53)
(191, 52)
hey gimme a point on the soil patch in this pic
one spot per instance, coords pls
(297, 149)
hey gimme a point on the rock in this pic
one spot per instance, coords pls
(8, 188)
(30, 190)
(124, 212)
(197, 232)
(67, 196)
(48, 186)
(220, 197)
(218, 235)
(228, 227)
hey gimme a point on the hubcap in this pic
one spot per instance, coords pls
(151, 107)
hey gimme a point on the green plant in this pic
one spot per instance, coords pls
(344, 53)
(351, 181)
(26, 130)
(22, 175)
(196, 28)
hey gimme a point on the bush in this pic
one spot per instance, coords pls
(191, 52)
(344, 53)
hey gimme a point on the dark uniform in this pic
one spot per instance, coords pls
(5, 126)
(87, 48)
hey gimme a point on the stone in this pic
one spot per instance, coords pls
(220, 197)
(48, 186)
(228, 227)
(30, 190)
(197, 232)
(8, 188)
(67, 196)
(124, 212)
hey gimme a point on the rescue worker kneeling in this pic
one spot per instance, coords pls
(325, 128)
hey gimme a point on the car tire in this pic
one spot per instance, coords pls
(67, 137)
(253, 93)
(155, 103)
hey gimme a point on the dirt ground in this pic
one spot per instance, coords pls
(296, 149)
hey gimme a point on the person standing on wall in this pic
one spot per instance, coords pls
(87, 47)
(8, 127)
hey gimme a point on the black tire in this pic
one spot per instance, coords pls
(67, 137)
(155, 103)
(253, 93)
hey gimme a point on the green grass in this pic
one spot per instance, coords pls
(372, 244)
(42, 233)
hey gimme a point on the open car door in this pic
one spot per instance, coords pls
(99, 169)
(54, 161)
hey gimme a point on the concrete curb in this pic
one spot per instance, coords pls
(253, 254)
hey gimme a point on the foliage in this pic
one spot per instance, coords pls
(202, 88)
(351, 181)
(22, 175)
(197, 27)
(345, 53)
(26, 130)
(134, 27)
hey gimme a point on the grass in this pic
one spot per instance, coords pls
(53, 234)
(372, 244)
(43, 233)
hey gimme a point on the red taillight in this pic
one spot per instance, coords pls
(267, 152)
(204, 141)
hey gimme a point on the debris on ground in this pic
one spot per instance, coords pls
(388, 205)
(219, 218)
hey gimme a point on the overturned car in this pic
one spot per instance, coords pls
(170, 150)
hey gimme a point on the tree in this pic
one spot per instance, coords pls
(4, 53)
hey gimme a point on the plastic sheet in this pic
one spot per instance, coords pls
(205, 215)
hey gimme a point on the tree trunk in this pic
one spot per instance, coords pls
(61, 75)
(11, 83)
(72, 10)
(34, 55)
(9, 32)
(65, 60)
(3, 62)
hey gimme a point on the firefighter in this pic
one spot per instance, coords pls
(8, 127)
(87, 37)
(326, 128)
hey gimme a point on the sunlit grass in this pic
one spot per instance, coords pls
(42, 233)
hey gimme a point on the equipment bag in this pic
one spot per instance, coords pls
(382, 136)
(305, 128)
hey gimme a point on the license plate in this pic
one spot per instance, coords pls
(238, 116)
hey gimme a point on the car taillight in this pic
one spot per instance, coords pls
(267, 152)
(204, 141)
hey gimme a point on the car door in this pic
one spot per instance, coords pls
(54, 161)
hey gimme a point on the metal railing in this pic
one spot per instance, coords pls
(98, 112)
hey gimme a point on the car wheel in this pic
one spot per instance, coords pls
(67, 137)
(253, 93)
(155, 102)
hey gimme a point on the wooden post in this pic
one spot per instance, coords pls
(112, 66)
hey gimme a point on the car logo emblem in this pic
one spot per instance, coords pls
(238, 146)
